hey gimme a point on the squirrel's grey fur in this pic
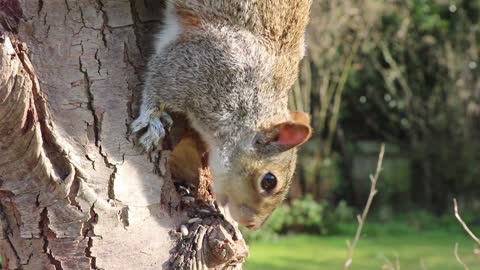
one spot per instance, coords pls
(228, 66)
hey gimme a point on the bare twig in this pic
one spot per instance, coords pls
(389, 264)
(363, 217)
(397, 261)
(423, 265)
(465, 226)
(459, 260)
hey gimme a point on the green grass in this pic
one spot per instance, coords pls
(305, 252)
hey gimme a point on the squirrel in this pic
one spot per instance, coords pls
(228, 66)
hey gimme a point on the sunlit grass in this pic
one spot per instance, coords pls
(305, 252)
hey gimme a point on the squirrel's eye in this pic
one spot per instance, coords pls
(269, 182)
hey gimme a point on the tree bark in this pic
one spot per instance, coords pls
(74, 191)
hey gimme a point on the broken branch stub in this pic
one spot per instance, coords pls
(208, 240)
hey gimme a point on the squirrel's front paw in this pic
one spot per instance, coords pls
(156, 129)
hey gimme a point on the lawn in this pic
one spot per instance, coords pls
(306, 252)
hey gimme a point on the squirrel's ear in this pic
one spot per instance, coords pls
(301, 117)
(293, 134)
(286, 135)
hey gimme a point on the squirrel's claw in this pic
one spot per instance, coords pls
(166, 120)
(154, 134)
(156, 129)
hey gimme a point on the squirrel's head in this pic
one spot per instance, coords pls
(260, 170)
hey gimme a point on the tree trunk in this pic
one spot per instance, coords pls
(74, 191)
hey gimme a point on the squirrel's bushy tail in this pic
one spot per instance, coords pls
(281, 22)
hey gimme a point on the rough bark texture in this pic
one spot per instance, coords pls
(74, 191)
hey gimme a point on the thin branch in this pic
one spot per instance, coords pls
(389, 264)
(339, 89)
(459, 260)
(363, 217)
(423, 265)
(397, 261)
(465, 226)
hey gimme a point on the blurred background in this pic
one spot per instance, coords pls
(404, 73)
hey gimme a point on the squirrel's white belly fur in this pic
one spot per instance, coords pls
(170, 30)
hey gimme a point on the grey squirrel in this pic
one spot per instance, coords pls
(228, 66)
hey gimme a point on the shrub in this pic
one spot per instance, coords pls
(304, 215)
